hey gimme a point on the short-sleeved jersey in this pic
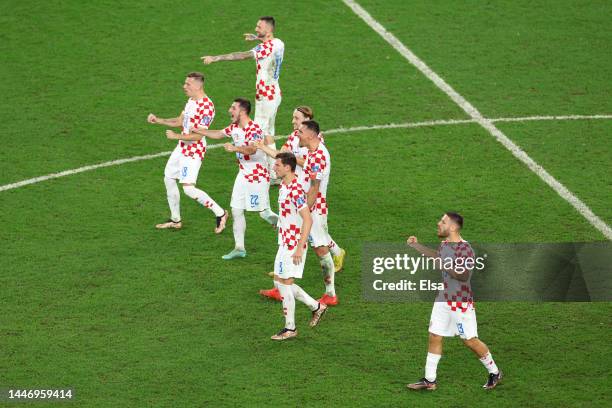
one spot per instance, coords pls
(293, 145)
(252, 166)
(291, 199)
(317, 167)
(198, 114)
(269, 58)
(456, 294)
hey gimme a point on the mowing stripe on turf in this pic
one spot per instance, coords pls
(327, 132)
(581, 207)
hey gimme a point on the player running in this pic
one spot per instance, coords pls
(301, 114)
(268, 56)
(186, 159)
(252, 184)
(453, 311)
(293, 227)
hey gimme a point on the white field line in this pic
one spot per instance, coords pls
(581, 207)
(327, 132)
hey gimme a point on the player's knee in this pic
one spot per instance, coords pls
(190, 190)
(321, 251)
(434, 338)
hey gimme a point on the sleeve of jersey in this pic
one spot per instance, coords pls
(317, 165)
(254, 136)
(261, 51)
(228, 130)
(299, 199)
(464, 252)
(204, 117)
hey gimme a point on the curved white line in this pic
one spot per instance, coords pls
(327, 132)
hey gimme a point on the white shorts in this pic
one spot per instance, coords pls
(283, 264)
(265, 114)
(184, 169)
(250, 196)
(448, 323)
(319, 236)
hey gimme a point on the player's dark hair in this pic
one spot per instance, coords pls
(306, 111)
(312, 125)
(244, 104)
(287, 159)
(196, 75)
(457, 219)
(270, 20)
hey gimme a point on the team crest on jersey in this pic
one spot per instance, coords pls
(316, 168)
(206, 121)
(300, 201)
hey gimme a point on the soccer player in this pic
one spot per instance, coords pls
(300, 114)
(293, 227)
(252, 184)
(453, 311)
(186, 159)
(315, 179)
(268, 56)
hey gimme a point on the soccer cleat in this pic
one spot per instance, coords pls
(271, 293)
(221, 221)
(339, 261)
(329, 300)
(493, 381)
(285, 334)
(423, 384)
(170, 225)
(235, 253)
(318, 314)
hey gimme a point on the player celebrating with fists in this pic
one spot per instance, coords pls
(453, 311)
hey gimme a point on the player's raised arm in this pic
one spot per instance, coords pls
(234, 56)
(246, 150)
(413, 243)
(171, 122)
(191, 137)
(213, 134)
(261, 145)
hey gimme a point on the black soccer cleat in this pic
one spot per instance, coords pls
(493, 380)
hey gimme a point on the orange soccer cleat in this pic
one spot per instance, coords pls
(271, 293)
(329, 300)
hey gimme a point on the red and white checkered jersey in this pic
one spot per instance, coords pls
(457, 294)
(291, 199)
(252, 166)
(269, 58)
(293, 145)
(198, 114)
(317, 167)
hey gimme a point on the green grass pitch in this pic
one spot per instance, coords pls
(94, 298)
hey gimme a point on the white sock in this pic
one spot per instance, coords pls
(174, 198)
(288, 305)
(269, 216)
(301, 295)
(431, 366)
(327, 267)
(334, 248)
(239, 227)
(489, 364)
(204, 199)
